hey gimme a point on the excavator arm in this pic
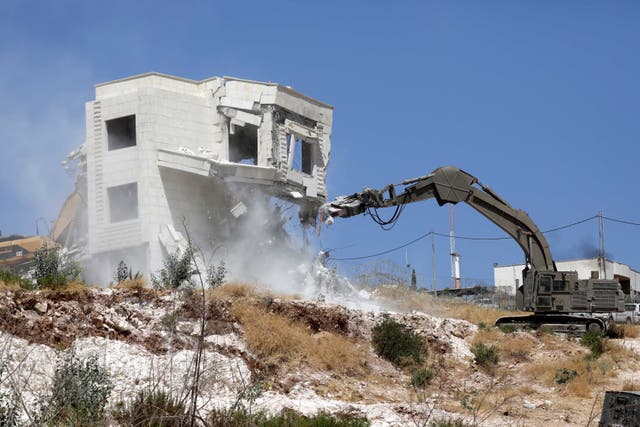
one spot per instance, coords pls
(452, 185)
(557, 298)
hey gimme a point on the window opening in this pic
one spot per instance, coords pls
(243, 144)
(301, 158)
(545, 284)
(123, 202)
(121, 132)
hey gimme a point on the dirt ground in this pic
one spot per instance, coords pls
(540, 378)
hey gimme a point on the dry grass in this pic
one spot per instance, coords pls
(526, 389)
(278, 341)
(476, 313)
(626, 331)
(620, 354)
(516, 347)
(403, 299)
(138, 283)
(488, 336)
(10, 286)
(631, 385)
(551, 341)
(589, 374)
(234, 290)
(75, 286)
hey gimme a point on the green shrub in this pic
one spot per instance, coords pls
(78, 395)
(155, 408)
(12, 279)
(422, 377)
(482, 326)
(53, 269)
(287, 418)
(176, 272)
(393, 342)
(486, 357)
(216, 275)
(565, 375)
(448, 423)
(169, 321)
(123, 272)
(594, 341)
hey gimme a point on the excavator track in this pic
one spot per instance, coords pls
(557, 322)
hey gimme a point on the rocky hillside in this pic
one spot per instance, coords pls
(271, 353)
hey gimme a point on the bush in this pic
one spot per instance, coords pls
(594, 341)
(422, 377)
(124, 273)
(216, 275)
(565, 375)
(486, 357)
(78, 395)
(11, 279)
(53, 269)
(287, 418)
(177, 270)
(393, 342)
(448, 423)
(153, 409)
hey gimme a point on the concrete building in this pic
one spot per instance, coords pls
(161, 148)
(509, 277)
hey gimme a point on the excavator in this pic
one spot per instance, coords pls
(558, 299)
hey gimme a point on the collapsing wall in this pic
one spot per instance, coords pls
(216, 154)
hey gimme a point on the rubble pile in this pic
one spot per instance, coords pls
(147, 338)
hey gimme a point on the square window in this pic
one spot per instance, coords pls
(243, 144)
(123, 202)
(301, 154)
(121, 132)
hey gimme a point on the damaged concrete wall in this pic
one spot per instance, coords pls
(159, 148)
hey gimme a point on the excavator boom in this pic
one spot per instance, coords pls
(452, 185)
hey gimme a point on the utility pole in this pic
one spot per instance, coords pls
(455, 257)
(433, 262)
(601, 251)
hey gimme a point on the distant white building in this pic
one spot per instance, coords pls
(509, 277)
(160, 148)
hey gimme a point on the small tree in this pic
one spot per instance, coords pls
(177, 271)
(79, 393)
(53, 269)
(216, 275)
(124, 273)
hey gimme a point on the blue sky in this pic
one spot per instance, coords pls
(539, 100)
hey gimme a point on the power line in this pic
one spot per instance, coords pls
(476, 238)
(621, 221)
(385, 252)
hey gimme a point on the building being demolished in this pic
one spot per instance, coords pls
(162, 150)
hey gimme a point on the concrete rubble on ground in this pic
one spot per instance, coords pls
(131, 335)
